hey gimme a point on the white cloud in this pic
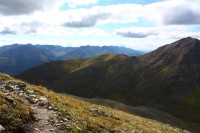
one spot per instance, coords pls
(161, 12)
(23, 7)
(174, 12)
(160, 32)
(7, 30)
(172, 19)
(94, 32)
(87, 21)
(169, 12)
(74, 3)
(101, 15)
(135, 32)
(181, 15)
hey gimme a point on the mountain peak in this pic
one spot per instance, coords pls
(187, 44)
(188, 39)
(176, 51)
(176, 48)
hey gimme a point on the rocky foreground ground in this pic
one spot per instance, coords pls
(45, 118)
(32, 109)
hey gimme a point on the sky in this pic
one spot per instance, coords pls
(137, 24)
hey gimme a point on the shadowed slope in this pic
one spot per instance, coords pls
(172, 79)
(167, 78)
(86, 77)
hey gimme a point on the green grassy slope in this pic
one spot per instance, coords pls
(172, 79)
(86, 77)
(13, 114)
(88, 117)
(167, 78)
(146, 112)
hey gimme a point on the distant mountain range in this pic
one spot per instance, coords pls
(167, 78)
(17, 58)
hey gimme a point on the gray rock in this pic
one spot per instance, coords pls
(10, 99)
(36, 100)
(65, 119)
(36, 129)
(29, 91)
(49, 107)
(11, 82)
(6, 93)
(30, 100)
(55, 109)
(33, 96)
(9, 87)
(2, 128)
(2, 87)
(20, 94)
(15, 87)
(43, 101)
(185, 131)
(22, 85)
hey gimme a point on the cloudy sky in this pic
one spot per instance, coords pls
(138, 24)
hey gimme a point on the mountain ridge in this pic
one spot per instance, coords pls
(17, 58)
(165, 79)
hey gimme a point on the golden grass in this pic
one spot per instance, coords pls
(83, 113)
(15, 115)
(120, 121)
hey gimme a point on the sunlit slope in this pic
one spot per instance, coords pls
(167, 78)
(81, 116)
